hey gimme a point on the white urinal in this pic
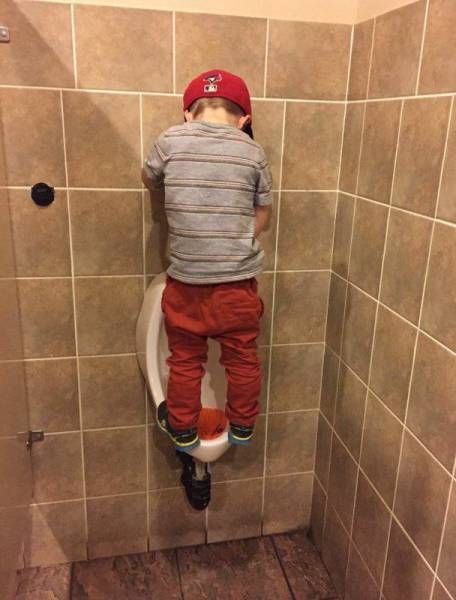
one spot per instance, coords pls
(152, 351)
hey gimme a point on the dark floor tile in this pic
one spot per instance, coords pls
(44, 583)
(306, 574)
(134, 577)
(245, 569)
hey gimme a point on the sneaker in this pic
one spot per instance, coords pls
(240, 434)
(183, 439)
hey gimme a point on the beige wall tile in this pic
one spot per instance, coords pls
(111, 158)
(351, 399)
(165, 468)
(392, 360)
(263, 354)
(159, 113)
(295, 377)
(57, 468)
(317, 515)
(323, 451)
(342, 234)
(396, 54)
(315, 164)
(360, 59)
(358, 332)
(268, 128)
(335, 549)
(329, 385)
(107, 58)
(52, 394)
(300, 308)
(306, 230)
(406, 254)
(379, 147)
(112, 391)
(438, 71)
(342, 482)
(115, 461)
(57, 534)
(10, 321)
(107, 313)
(439, 593)
(439, 309)
(47, 317)
(415, 580)
(117, 525)
(30, 120)
(336, 305)
(7, 259)
(41, 240)
(359, 584)
(278, 514)
(242, 462)
(371, 527)
(446, 563)
(172, 521)
(40, 51)
(307, 60)
(207, 41)
(419, 159)
(351, 147)
(422, 493)
(106, 232)
(291, 442)
(447, 205)
(369, 229)
(235, 510)
(432, 412)
(380, 450)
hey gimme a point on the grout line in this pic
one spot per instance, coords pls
(371, 59)
(73, 45)
(442, 535)
(174, 50)
(282, 568)
(271, 332)
(374, 330)
(75, 325)
(179, 575)
(444, 156)
(423, 37)
(266, 57)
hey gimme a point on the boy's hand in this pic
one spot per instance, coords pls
(151, 184)
(262, 214)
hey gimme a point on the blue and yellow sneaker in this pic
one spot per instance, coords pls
(240, 435)
(183, 439)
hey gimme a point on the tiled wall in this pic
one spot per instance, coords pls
(81, 104)
(384, 509)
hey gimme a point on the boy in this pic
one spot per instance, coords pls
(217, 201)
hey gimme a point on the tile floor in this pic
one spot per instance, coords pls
(279, 567)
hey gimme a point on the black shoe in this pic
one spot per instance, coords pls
(183, 439)
(197, 482)
(240, 434)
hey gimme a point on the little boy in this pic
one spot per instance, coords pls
(217, 200)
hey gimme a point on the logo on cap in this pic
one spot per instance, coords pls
(211, 85)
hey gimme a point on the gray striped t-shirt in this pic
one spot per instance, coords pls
(214, 175)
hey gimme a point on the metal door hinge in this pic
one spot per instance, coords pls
(4, 33)
(34, 436)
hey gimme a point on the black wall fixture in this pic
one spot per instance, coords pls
(42, 194)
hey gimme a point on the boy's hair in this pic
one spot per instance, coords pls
(200, 104)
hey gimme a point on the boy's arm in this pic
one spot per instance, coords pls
(153, 170)
(263, 195)
(262, 214)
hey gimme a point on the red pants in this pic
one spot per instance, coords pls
(229, 313)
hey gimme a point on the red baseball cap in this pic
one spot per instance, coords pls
(217, 83)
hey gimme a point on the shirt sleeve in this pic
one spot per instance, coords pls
(156, 160)
(263, 193)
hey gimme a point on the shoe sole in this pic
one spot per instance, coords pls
(237, 441)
